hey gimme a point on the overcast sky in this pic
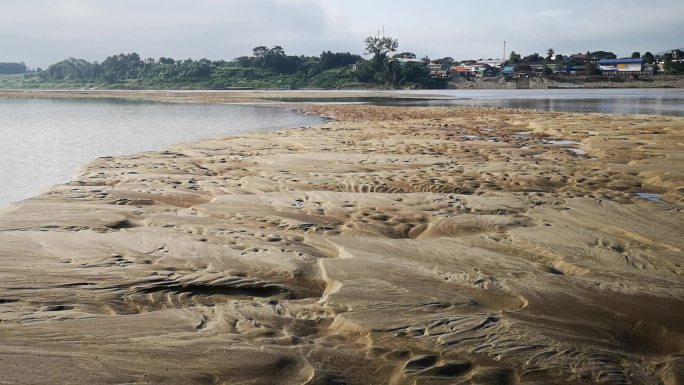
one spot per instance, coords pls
(41, 32)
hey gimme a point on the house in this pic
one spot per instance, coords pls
(437, 71)
(494, 63)
(459, 71)
(508, 70)
(618, 66)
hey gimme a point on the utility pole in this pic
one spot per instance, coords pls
(504, 52)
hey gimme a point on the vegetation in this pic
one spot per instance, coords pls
(648, 58)
(273, 68)
(12, 68)
(602, 55)
(672, 67)
(265, 68)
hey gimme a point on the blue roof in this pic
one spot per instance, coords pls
(621, 61)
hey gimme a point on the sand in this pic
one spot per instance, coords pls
(390, 246)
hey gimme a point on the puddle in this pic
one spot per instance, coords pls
(653, 197)
(562, 142)
(522, 134)
(577, 151)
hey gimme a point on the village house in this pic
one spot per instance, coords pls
(619, 66)
(459, 71)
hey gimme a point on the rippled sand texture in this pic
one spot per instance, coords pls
(394, 246)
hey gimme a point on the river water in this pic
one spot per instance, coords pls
(45, 142)
(656, 101)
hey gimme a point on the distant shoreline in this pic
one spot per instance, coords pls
(601, 82)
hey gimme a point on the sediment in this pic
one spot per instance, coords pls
(389, 246)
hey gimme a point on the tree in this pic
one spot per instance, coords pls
(13, 68)
(514, 57)
(598, 55)
(446, 62)
(121, 67)
(166, 60)
(379, 47)
(648, 58)
(672, 67)
(405, 55)
(636, 55)
(550, 53)
(532, 58)
(339, 59)
(71, 69)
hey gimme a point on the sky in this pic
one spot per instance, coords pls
(42, 32)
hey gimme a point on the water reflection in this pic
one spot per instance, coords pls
(614, 101)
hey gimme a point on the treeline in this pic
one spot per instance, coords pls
(13, 68)
(265, 68)
(267, 64)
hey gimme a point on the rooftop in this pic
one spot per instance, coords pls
(620, 61)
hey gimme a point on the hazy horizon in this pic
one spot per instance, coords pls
(42, 32)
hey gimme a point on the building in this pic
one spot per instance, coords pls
(618, 66)
(459, 71)
(494, 63)
(437, 71)
(508, 70)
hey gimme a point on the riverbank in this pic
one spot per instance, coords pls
(571, 82)
(206, 96)
(391, 246)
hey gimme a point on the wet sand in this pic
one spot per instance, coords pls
(390, 246)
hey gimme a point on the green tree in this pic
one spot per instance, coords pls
(380, 47)
(598, 55)
(672, 67)
(636, 55)
(13, 68)
(446, 62)
(648, 58)
(339, 59)
(549, 54)
(532, 58)
(405, 55)
(514, 57)
(71, 69)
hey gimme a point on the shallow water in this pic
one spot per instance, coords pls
(653, 197)
(656, 101)
(652, 101)
(45, 142)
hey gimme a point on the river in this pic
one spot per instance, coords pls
(45, 142)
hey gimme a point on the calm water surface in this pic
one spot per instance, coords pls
(612, 101)
(658, 101)
(45, 142)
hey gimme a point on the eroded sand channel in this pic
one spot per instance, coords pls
(395, 245)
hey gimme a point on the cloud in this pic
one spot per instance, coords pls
(42, 32)
(47, 31)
